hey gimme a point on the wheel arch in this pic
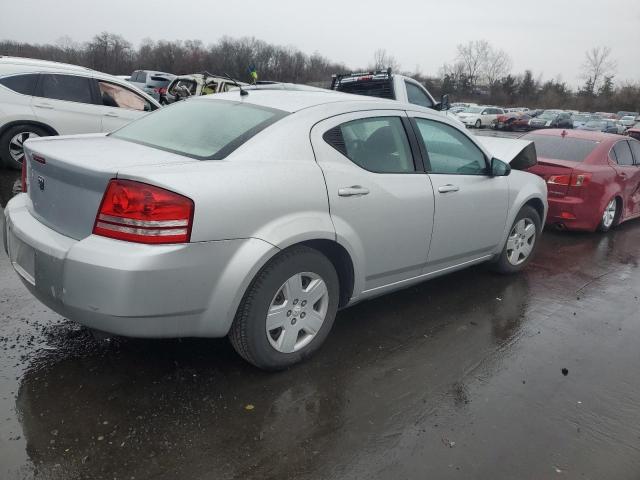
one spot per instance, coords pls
(538, 206)
(35, 123)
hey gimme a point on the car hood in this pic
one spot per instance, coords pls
(520, 154)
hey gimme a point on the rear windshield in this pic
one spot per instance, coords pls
(202, 129)
(372, 88)
(562, 148)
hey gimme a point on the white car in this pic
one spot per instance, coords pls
(628, 121)
(479, 116)
(40, 98)
(258, 215)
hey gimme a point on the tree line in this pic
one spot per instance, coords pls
(480, 72)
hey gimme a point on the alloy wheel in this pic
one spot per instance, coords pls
(16, 145)
(521, 241)
(297, 312)
(609, 214)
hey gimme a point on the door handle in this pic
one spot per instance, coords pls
(111, 114)
(448, 188)
(43, 105)
(353, 191)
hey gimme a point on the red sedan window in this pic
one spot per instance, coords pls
(623, 153)
(562, 148)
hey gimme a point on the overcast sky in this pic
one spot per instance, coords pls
(548, 36)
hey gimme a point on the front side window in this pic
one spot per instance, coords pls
(24, 84)
(377, 144)
(201, 129)
(65, 87)
(450, 151)
(623, 153)
(417, 96)
(113, 95)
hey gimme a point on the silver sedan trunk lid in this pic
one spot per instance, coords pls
(67, 177)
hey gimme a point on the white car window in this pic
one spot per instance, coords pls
(116, 96)
(65, 87)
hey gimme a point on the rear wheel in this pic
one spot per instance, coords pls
(12, 144)
(609, 216)
(288, 311)
(521, 242)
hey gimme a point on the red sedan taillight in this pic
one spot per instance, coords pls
(573, 180)
(142, 213)
(24, 174)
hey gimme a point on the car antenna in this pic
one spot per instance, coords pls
(243, 93)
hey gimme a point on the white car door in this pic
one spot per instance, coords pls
(120, 105)
(470, 205)
(66, 103)
(381, 202)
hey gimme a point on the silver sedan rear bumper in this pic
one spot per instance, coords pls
(132, 289)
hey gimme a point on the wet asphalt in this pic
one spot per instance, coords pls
(473, 375)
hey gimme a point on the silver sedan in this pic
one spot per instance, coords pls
(258, 216)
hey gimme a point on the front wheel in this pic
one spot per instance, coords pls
(288, 310)
(478, 124)
(521, 242)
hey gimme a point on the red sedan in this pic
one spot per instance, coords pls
(593, 178)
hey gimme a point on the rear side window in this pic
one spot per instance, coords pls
(376, 144)
(202, 129)
(623, 153)
(562, 148)
(24, 84)
(65, 87)
(635, 148)
(417, 96)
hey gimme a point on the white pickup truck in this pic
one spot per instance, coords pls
(386, 84)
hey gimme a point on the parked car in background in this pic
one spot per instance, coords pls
(169, 230)
(198, 84)
(40, 98)
(634, 132)
(628, 121)
(622, 113)
(551, 119)
(600, 125)
(152, 83)
(592, 177)
(479, 116)
(515, 121)
(580, 119)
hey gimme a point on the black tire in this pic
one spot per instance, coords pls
(602, 227)
(6, 160)
(502, 263)
(478, 124)
(248, 332)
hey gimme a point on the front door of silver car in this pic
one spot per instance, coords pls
(470, 205)
(381, 203)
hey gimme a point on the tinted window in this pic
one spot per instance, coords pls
(65, 87)
(158, 82)
(450, 151)
(24, 84)
(562, 148)
(113, 95)
(635, 148)
(203, 129)
(417, 96)
(623, 153)
(376, 144)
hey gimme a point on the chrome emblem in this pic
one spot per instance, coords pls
(41, 182)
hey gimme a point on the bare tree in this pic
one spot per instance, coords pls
(383, 60)
(498, 65)
(474, 56)
(597, 65)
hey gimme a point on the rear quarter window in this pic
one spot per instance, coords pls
(201, 129)
(562, 148)
(24, 84)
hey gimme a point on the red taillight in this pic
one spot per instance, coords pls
(161, 91)
(24, 174)
(138, 212)
(559, 180)
(580, 179)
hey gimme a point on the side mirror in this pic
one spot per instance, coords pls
(444, 102)
(499, 168)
